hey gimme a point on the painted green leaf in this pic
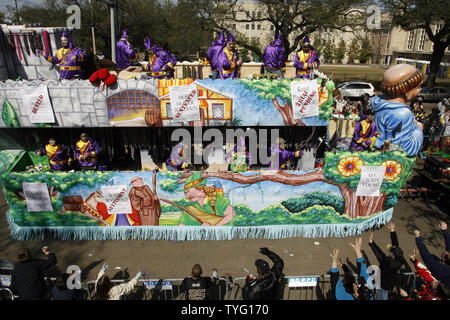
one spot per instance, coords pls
(9, 115)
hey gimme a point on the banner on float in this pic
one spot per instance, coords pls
(37, 196)
(184, 102)
(38, 105)
(305, 99)
(371, 180)
(117, 199)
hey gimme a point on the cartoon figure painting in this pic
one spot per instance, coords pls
(207, 207)
(95, 206)
(145, 202)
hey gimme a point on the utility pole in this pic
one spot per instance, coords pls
(18, 13)
(113, 5)
(93, 28)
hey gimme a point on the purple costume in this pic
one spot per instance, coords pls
(90, 148)
(125, 54)
(160, 60)
(301, 58)
(175, 161)
(283, 156)
(57, 156)
(68, 69)
(212, 55)
(274, 54)
(364, 134)
(227, 61)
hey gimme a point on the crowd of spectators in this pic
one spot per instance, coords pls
(432, 281)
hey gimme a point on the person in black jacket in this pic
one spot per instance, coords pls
(266, 284)
(197, 287)
(27, 279)
(389, 264)
(440, 269)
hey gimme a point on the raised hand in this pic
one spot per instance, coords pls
(371, 237)
(417, 233)
(391, 226)
(104, 267)
(442, 225)
(264, 251)
(45, 250)
(414, 255)
(139, 274)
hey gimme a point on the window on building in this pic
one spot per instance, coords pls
(234, 26)
(422, 40)
(253, 27)
(218, 110)
(259, 15)
(247, 26)
(259, 27)
(409, 45)
(253, 14)
(272, 27)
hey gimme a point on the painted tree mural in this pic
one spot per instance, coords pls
(342, 169)
(276, 90)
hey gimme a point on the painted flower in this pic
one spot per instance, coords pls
(393, 169)
(350, 166)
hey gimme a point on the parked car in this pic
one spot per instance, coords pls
(433, 94)
(356, 90)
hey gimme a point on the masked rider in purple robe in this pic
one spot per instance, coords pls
(228, 60)
(306, 60)
(160, 62)
(274, 57)
(175, 162)
(212, 55)
(57, 155)
(125, 55)
(86, 151)
(283, 155)
(69, 58)
(365, 132)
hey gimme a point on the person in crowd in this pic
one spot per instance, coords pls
(389, 264)
(212, 55)
(445, 123)
(266, 285)
(443, 105)
(349, 288)
(339, 101)
(27, 280)
(61, 292)
(196, 287)
(69, 58)
(306, 60)
(106, 290)
(57, 155)
(279, 156)
(86, 152)
(440, 269)
(394, 119)
(365, 132)
(432, 124)
(125, 55)
(429, 287)
(161, 63)
(228, 60)
(419, 113)
(274, 61)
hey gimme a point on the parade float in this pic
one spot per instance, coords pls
(351, 191)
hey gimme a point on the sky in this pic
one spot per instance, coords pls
(4, 3)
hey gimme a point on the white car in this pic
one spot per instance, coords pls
(356, 90)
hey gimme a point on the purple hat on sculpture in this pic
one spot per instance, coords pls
(221, 39)
(148, 43)
(69, 42)
(124, 34)
(230, 38)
